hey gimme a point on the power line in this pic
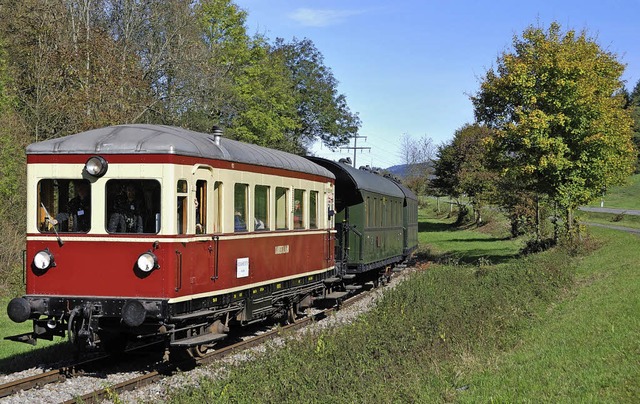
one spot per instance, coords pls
(355, 147)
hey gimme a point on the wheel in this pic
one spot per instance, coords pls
(198, 351)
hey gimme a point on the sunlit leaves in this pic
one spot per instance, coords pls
(555, 102)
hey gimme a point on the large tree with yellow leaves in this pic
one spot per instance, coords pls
(556, 102)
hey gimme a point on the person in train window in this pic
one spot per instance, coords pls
(127, 215)
(238, 223)
(78, 209)
(259, 224)
(297, 215)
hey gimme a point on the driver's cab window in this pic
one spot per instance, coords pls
(133, 206)
(64, 205)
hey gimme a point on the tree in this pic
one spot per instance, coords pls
(461, 168)
(323, 113)
(634, 110)
(67, 69)
(266, 98)
(417, 155)
(556, 105)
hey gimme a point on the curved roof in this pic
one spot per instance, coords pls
(407, 192)
(160, 139)
(353, 178)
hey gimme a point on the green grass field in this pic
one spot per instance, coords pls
(586, 348)
(623, 197)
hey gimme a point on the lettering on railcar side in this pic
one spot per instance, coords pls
(282, 249)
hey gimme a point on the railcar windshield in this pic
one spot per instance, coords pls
(133, 206)
(64, 205)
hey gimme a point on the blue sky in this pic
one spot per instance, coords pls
(409, 66)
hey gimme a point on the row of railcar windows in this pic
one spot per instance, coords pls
(261, 219)
(382, 212)
(133, 206)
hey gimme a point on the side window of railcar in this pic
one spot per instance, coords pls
(217, 206)
(313, 209)
(298, 209)
(64, 205)
(240, 199)
(282, 208)
(181, 203)
(201, 206)
(261, 207)
(133, 206)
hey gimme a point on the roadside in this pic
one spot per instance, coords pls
(611, 210)
(610, 226)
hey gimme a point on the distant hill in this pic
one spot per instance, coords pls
(401, 170)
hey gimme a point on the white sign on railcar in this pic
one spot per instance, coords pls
(242, 267)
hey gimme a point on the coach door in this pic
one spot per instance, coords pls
(203, 224)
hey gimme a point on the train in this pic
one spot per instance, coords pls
(150, 232)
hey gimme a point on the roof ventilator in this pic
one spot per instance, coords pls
(217, 134)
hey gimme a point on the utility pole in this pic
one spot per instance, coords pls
(355, 147)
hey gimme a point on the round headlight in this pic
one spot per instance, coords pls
(147, 262)
(43, 259)
(96, 166)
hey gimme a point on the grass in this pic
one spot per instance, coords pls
(549, 327)
(446, 243)
(622, 197)
(586, 348)
(14, 355)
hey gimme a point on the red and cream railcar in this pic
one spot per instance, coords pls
(140, 231)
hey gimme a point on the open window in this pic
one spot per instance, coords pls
(64, 205)
(298, 209)
(282, 208)
(201, 206)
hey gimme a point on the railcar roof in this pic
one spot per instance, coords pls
(407, 192)
(360, 179)
(160, 139)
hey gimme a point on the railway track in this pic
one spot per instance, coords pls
(160, 371)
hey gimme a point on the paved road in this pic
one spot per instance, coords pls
(611, 210)
(610, 226)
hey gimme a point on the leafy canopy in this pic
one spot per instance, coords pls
(556, 104)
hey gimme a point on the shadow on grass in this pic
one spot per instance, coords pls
(44, 358)
(474, 256)
(475, 240)
(429, 227)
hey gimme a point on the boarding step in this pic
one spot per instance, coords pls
(353, 287)
(332, 280)
(348, 276)
(188, 316)
(336, 295)
(201, 339)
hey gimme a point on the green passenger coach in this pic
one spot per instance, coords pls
(376, 220)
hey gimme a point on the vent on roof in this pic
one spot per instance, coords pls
(217, 134)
